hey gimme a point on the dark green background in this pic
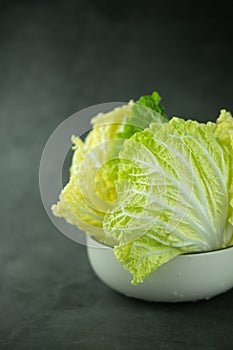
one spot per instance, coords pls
(55, 59)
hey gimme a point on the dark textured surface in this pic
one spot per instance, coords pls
(59, 57)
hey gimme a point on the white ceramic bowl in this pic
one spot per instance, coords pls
(188, 277)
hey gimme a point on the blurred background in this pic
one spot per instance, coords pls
(57, 57)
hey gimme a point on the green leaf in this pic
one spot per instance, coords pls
(153, 102)
(145, 111)
(143, 256)
(174, 196)
(90, 191)
(224, 135)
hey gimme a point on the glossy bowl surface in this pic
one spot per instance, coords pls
(187, 277)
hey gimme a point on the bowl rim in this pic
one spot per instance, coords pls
(208, 252)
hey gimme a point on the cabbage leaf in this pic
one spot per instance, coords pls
(174, 194)
(81, 202)
(91, 190)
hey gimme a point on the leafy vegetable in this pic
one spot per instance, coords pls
(152, 188)
(224, 134)
(145, 111)
(81, 202)
(91, 190)
(224, 130)
(175, 193)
